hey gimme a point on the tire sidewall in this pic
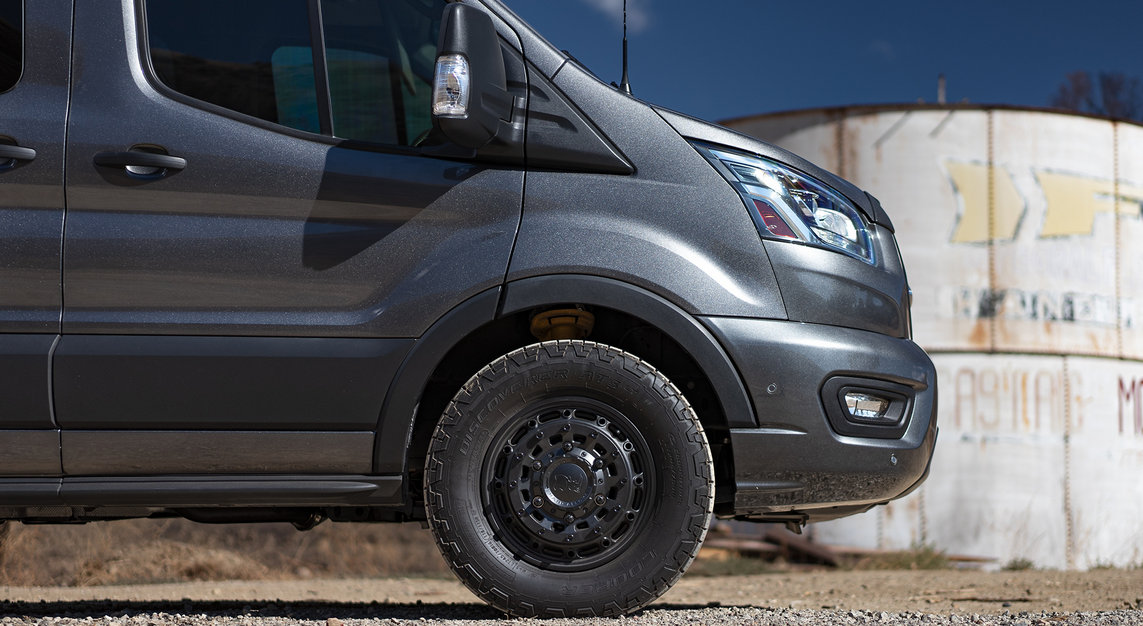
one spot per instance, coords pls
(649, 562)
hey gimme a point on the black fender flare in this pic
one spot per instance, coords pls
(399, 411)
(398, 414)
(657, 311)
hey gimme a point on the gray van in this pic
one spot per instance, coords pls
(403, 260)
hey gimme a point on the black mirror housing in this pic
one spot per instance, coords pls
(469, 32)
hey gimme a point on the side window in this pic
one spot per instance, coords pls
(380, 55)
(255, 57)
(11, 42)
(250, 56)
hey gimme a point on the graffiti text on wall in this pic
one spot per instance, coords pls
(1032, 305)
(1006, 400)
(1012, 399)
(1130, 406)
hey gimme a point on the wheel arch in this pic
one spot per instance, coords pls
(674, 322)
(493, 323)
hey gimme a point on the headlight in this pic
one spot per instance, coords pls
(792, 206)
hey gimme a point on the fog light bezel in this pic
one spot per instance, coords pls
(901, 399)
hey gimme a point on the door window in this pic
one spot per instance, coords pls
(249, 56)
(380, 55)
(11, 43)
(256, 57)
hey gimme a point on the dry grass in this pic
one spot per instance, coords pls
(918, 557)
(144, 551)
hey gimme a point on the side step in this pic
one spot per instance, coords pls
(199, 491)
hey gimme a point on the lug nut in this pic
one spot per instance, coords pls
(592, 434)
(599, 500)
(520, 513)
(512, 484)
(569, 539)
(566, 428)
(519, 455)
(537, 466)
(598, 464)
(568, 446)
(622, 481)
(569, 518)
(539, 502)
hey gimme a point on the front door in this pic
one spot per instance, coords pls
(252, 241)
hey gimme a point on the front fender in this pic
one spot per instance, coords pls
(657, 311)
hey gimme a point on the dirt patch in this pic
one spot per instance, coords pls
(947, 592)
(176, 550)
(928, 591)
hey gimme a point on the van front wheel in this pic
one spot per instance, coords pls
(569, 478)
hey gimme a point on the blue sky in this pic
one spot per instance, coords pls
(726, 58)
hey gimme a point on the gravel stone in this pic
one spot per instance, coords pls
(477, 615)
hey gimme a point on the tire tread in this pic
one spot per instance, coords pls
(664, 573)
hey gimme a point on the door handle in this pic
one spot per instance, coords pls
(140, 159)
(17, 153)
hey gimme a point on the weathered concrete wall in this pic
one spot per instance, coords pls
(1022, 232)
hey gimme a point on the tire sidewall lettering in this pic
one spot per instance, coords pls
(631, 573)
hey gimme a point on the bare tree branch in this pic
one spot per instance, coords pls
(1074, 93)
(1118, 95)
(1121, 96)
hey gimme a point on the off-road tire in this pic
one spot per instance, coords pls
(627, 544)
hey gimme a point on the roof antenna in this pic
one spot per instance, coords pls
(624, 85)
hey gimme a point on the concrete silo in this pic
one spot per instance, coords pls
(1023, 238)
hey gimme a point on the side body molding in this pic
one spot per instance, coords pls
(678, 324)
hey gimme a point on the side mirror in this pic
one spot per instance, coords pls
(470, 92)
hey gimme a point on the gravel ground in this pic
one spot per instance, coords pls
(108, 614)
(1030, 598)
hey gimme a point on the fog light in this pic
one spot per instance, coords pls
(866, 406)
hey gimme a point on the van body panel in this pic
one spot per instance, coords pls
(674, 227)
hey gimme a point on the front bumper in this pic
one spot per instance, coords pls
(795, 464)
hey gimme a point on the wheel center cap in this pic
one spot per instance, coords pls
(568, 485)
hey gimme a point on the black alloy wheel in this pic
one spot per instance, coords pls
(569, 478)
(568, 487)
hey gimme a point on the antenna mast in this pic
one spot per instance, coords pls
(624, 85)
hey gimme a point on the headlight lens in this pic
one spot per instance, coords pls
(792, 206)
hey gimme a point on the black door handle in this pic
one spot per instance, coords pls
(140, 159)
(16, 152)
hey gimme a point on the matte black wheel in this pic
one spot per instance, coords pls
(569, 478)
